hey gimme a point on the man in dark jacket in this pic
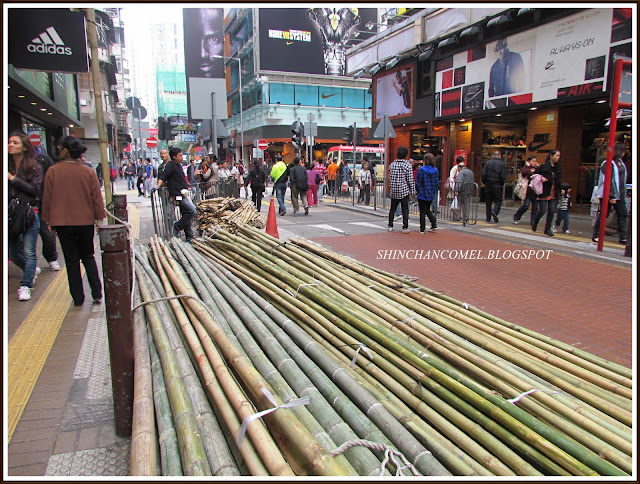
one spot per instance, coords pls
(299, 186)
(494, 174)
(174, 178)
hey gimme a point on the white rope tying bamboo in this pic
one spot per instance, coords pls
(527, 393)
(390, 454)
(178, 296)
(298, 290)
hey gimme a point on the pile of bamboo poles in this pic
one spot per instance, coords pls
(452, 388)
(227, 213)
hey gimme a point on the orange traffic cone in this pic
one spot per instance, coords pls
(272, 226)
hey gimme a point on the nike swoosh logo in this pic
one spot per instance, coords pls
(533, 147)
(289, 43)
(471, 97)
(325, 96)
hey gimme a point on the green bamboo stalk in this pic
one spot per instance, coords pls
(194, 458)
(170, 462)
(143, 434)
(308, 456)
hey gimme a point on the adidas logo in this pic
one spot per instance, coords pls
(49, 42)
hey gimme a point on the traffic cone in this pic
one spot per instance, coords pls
(272, 226)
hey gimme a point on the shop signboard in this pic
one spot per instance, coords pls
(47, 39)
(394, 93)
(311, 40)
(562, 59)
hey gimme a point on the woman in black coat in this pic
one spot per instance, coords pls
(548, 199)
(257, 179)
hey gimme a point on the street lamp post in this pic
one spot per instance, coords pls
(241, 106)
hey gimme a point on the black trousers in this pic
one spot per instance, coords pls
(493, 196)
(425, 211)
(77, 245)
(256, 197)
(404, 203)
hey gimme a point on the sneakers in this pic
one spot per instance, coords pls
(389, 229)
(176, 229)
(515, 222)
(594, 239)
(566, 232)
(24, 293)
(54, 266)
(405, 231)
(281, 212)
(35, 276)
(555, 229)
(97, 300)
(421, 232)
(433, 229)
(306, 210)
(495, 217)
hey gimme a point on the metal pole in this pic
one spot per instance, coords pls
(117, 295)
(214, 134)
(613, 122)
(97, 95)
(385, 164)
(241, 109)
(353, 177)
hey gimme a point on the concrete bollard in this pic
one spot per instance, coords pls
(117, 296)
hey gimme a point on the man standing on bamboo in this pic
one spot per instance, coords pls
(299, 186)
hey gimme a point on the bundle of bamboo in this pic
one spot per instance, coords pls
(453, 389)
(227, 213)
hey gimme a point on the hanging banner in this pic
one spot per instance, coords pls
(47, 39)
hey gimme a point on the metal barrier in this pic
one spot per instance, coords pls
(165, 212)
(467, 196)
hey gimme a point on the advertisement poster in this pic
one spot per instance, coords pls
(563, 59)
(394, 93)
(311, 40)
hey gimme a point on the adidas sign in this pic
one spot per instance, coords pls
(49, 42)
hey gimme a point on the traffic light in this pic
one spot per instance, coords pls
(161, 130)
(349, 135)
(359, 137)
(297, 128)
(167, 129)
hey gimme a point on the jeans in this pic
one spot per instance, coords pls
(256, 197)
(131, 182)
(404, 203)
(294, 198)
(148, 185)
(77, 245)
(187, 213)
(493, 196)
(548, 206)
(563, 215)
(425, 211)
(26, 258)
(525, 206)
(280, 191)
(321, 188)
(312, 195)
(621, 211)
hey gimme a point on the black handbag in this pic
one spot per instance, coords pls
(21, 215)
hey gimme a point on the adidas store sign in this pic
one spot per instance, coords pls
(49, 42)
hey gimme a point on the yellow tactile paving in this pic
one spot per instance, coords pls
(30, 346)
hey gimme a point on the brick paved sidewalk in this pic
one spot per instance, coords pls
(586, 304)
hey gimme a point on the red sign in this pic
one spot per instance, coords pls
(153, 131)
(151, 142)
(262, 144)
(35, 139)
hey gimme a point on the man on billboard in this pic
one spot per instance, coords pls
(401, 85)
(204, 39)
(507, 72)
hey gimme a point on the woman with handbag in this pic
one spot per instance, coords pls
(547, 200)
(530, 197)
(257, 180)
(73, 207)
(25, 180)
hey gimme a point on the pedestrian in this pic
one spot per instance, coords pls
(265, 169)
(237, 175)
(25, 179)
(451, 188)
(346, 177)
(465, 181)
(204, 174)
(564, 205)
(322, 186)
(148, 177)
(401, 187)
(85, 162)
(73, 207)
(49, 244)
(113, 175)
(174, 178)
(223, 172)
(529, 197)
(617, 191)
(280, 174)
(191, 172)
(427, 185)
(313, 181)
(141, 176)
(256, 179)
(129, 173)
(332, 172)
(299, 186)
(550, 176)
(164, 156)
(100, 174)
(494, 174)
(364, 184)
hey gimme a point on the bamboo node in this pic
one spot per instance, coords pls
(390, 454)
(293, 403)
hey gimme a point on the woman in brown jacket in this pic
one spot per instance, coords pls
(72, 205)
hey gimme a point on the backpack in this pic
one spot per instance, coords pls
(113, 173)
(155, 172)
(21, 215)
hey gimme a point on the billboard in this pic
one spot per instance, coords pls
(47, 39)
(204, 70)
(565, 58)
(311, 40)
(394, 93)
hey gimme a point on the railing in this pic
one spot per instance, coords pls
(460, 204)
(165, 212)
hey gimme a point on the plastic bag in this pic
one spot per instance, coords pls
(454, 203)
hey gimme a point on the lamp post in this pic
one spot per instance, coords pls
(241, 107)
